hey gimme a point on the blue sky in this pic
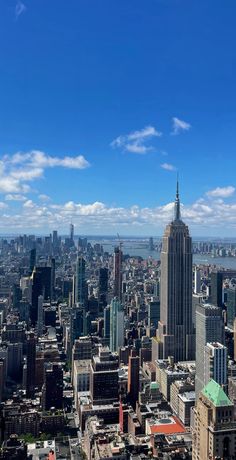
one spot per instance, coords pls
(102, 101)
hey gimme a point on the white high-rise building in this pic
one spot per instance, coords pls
(209, 328)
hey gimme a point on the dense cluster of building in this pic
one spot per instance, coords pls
(105, 356)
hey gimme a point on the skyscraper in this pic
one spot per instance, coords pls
(175, 333)
(209, 328)
(41, 285)
(231, 305)
(133, 379)
(32, 259)
(80, 286)
(216, 288)
(118, 273)
(116, 325)
(103, 286)
(72, 228)
(31, 362)
(197, 281)
(40, 316)
(107, 324)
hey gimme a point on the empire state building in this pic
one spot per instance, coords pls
(175, 334)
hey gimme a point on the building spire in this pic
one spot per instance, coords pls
(177, 201)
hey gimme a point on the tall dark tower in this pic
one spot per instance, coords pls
(133, 379)
(103, 286)
(31, 363)
(117, 273)
(175, 329)
(42, 285)
(72, 229)
(216, 288)
(52, 393)
(81, 288)
(32, 259)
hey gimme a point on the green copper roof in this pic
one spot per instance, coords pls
(216, 394)
(154, 386)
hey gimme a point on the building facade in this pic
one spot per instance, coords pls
(214, 433)
(175, 329)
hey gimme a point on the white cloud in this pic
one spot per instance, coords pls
(147, 132)
(135, 142)
(28, 204)
(221, 192)
(137, 147)
(10, 184)
(19, 9)
(179, 126)
(39, 159)
(16, 197)
(168, 167)
(20, 168)
(44, 197)
(27, 174)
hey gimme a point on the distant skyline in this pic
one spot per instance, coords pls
(102, 103)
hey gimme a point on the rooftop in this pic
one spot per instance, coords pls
(216, 394)
(167, 426)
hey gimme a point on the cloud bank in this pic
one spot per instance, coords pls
(18, 170)
(205, 216)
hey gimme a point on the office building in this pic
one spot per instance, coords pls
(40, 322)
(41, 285)
(216, 363)
(72, 230)
(31, 363)
(15, 360)
(107, 316)
(231, 305)
(216, 288)
(214, 425)
(175, 329)
(52, 393)
(235, 339)
(32, 259)
(104, 377)
(82, 348)
(209, 328)
(55, 241)
(197, 299)
(80, 285)
(197, 281)
(151, 244)
(77, 324)
(153, 313)
(117, 275)
(133, 379)
(103, 287)
(116, 325)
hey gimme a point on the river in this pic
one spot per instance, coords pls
(139, 248)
